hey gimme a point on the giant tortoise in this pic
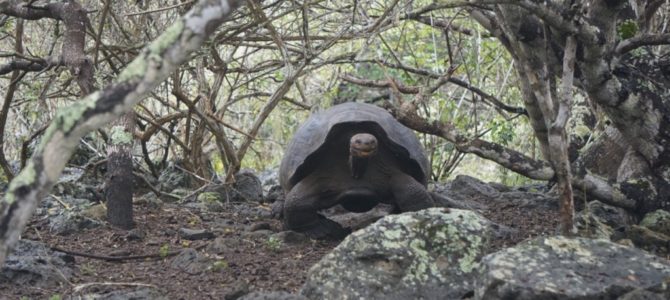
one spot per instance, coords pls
(356, 155)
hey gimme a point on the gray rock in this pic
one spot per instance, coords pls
(269, 179)
(141, 293)
(472, 188)
(222, 245)
(257, 234)
(236, 290)
(259, 226)
(357, 221)
(195, 234)
(429, 254)
(612, 216)
(70, 221)
(149, 200)
(640, 294)
(136, 234)
(441, 198)
(32, 263)
(591, 226)
(191, 262)
(273, 194)
(173, 177)
(280, 295)
(247, 187)
(658, 221)
(500, 187)
(563, 268)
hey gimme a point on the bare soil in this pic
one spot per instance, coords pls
(251, 262)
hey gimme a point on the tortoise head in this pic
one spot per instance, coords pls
(362, 146)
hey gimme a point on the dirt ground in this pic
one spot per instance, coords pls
(250, 261)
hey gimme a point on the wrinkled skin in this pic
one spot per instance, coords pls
(339, 179)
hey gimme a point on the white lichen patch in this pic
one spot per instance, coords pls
(658, 220)
(119, 136)
(570, 247)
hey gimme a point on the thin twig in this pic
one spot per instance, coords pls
(159, 9)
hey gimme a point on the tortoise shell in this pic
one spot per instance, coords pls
(305, 150)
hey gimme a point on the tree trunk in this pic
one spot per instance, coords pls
(119, 183)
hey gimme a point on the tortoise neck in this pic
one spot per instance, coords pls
(357, 166)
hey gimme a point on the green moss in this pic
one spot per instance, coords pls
(627, 29)
(25, 177)
(168, 38)
(67, 117)
(658, 220)
(135, 69)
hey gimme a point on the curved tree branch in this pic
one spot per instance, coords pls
(155, 63)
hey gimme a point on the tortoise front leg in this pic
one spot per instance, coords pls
(301, 212)
(409, 194)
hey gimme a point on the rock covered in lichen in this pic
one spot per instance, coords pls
(658, 221)
(564, 268)
(429, 254)
(591, 226)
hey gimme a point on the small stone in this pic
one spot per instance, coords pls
(195, 234)
(221, 245)
(236, 290)
(291, 237)
(191, 262)
(136, 235)
(257, 234)
(260, 226)
(149, 200)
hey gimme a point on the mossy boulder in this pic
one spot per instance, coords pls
(590, 226)
(658, 221)
(570, 268)
(429, 254)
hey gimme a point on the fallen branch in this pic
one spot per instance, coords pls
(123, 258)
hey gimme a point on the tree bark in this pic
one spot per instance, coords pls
(119, 182)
